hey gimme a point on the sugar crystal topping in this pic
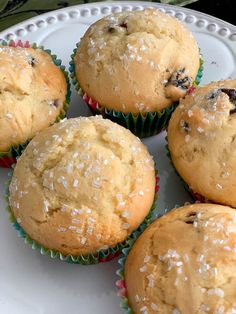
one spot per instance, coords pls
(218, 229)
(71, 173)
(205, 113)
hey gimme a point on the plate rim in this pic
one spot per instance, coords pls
(104, 4)
(34, 20)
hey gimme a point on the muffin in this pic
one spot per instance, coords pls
(134, 66)
(190, 274)
(201, 141)
(33, 95)
(82, 186)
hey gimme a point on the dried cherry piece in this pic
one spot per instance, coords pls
(232, 97)
(228, 91)
(123, 25)
(111, 29)
(179, 79)
(186, 127)
(55, 103)
(213, 94)
(31, 60)
(232, 111)
(190, 218)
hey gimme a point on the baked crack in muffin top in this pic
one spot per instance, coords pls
(82, 185)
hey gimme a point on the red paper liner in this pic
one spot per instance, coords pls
(7, 162)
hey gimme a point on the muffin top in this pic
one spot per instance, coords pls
(137, 61)
(201, 139)
(82, 185)
(32, 92)
(193, 273)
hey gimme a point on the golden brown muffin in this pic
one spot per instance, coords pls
(32, 92)
(82, 185)
(185, 262)
(139, 61)
(201, 139)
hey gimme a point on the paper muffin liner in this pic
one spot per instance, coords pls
(141, 124)
(7, 159)
(94, 258)
(120, 283)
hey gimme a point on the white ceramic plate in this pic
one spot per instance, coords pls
(34, 284)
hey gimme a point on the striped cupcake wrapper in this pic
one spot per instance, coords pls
(120, 283)
(95, 258)
(141, 124)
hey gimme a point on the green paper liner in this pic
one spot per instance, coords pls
(89, 259)
(120, 283)
(7, 159)
(141, 124)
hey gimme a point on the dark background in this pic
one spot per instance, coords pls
(15, 11)
(223, 9)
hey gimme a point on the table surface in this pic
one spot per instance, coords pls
(15, 11)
